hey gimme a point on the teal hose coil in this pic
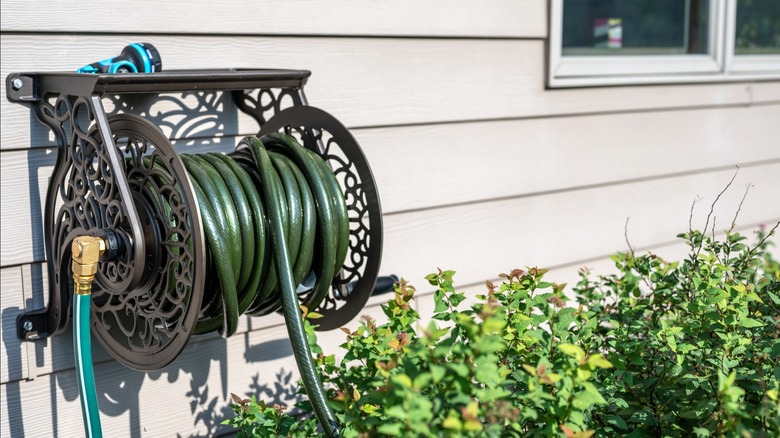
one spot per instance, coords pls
(273, 215)
(82, 347)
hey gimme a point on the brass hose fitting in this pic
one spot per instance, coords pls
(86, 251)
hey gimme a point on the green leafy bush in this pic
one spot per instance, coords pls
(658, 349)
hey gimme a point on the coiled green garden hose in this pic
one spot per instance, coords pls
(273, 214)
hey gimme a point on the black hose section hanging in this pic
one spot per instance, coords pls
(273, 214)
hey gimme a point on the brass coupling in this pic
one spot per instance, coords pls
(86, 251)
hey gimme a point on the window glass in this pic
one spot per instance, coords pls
(758, 27)
(637, 27)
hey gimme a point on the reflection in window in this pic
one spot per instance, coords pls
(637, 27)
(758, 27)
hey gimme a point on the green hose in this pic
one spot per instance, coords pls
(82, 348)
(273, 214)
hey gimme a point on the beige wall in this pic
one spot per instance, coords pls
(480, 169)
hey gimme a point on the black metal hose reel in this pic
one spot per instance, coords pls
(120, 179)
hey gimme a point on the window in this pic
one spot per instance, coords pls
(612, 42)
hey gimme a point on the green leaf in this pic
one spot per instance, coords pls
(438, 372)
(616, 421)
(493, 325)
(392, 429)
(598, 361)
(441, 305)
(585, 399)
(369, 408)
(396, 411)
(643, 417)
(750, 323)
(422, 380)
(402, 380)
(456, 299)
(452, 423)
(490, 344)
(619, 403)
(672, 343)
(594, 392)
(572, 350)
(460, 369)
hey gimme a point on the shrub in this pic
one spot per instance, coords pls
(659, 348)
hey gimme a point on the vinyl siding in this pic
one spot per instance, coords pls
(480, 169)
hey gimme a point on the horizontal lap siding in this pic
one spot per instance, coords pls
(569, 274)
(13, 354)
(366, 82)
(481, 240)
(766, 92)
(433, 18)
(424, 167)
(479, 167)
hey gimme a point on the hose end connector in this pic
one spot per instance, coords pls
(86, 251)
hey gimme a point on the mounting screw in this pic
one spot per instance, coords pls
(17, 84)
(27, 325)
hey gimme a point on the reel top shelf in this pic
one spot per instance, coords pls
(32, 87)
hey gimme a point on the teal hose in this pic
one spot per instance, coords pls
(82, 349)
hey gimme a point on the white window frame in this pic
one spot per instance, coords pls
(720, 64)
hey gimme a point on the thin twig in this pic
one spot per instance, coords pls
(712, 209)
(690, 216)
(734, 222)
(625, 235)
(631, 248)
(753, 250)
(713, 227)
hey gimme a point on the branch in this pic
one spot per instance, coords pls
(758, 245)
(713, 227)
(630, 248)
(712, 209)
(690, 216)
(734, 222)
(625, 235)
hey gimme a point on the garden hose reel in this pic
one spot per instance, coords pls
(119, 178)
